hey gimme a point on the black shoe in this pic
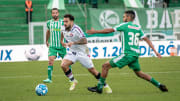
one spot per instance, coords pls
(94, 89)
(163, 88)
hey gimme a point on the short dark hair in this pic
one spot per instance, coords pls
(54, 9)
(69, 16)
(131, 13)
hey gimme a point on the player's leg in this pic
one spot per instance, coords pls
(97, 75)
(152, 80)
(136, 67)
(51, 56)
(68, 60)
(50, 69)
(118, 61)
(87, 62)
(62, 53)
(65, 66)
(105, 69)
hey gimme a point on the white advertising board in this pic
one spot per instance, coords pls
(97, 50)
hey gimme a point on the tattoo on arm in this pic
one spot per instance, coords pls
(81, 41)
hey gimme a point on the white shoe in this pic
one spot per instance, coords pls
(73, 84)
(107, 89)
(47, 81)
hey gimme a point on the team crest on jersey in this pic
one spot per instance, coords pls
(69, 35)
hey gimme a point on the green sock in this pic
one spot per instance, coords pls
(101, 83)
(154, 82)
(50, 68)
(70, 67)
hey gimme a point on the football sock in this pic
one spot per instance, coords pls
(70, 67)
(101, 83)
(50, 68)
(98, 77)
(69, 75)
(154, 82)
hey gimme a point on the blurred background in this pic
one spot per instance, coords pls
(160, 19)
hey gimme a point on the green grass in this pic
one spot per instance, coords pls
(19, 79)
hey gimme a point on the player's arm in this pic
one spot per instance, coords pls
(62, 40)
(151, 45)
(107, 30)
(82, 37)
(79, 42)
(47, 37)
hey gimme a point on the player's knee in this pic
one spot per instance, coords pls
(51, 62)
(63, 65)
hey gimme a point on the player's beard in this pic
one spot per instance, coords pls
(68, 28)
(125, 20)
(55, 17)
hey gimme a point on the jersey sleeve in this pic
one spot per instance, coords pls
(80, 33)
(119, 27)
(48, 25)
(142, 35)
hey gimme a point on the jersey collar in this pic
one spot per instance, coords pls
(73, 27)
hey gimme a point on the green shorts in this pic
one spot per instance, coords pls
(123, 60)
(55, 51)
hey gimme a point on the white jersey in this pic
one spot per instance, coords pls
(75, 34)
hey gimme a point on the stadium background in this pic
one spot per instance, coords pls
(18, 79)
(14, 31)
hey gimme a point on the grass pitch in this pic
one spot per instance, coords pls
(19, 79)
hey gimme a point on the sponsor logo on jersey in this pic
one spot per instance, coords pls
(55, 29)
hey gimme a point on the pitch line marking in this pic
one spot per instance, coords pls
(29, 76)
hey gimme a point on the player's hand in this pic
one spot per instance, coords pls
(70, 44)
(158, 55)
(47, 44)
(64, 45)
(91, 31)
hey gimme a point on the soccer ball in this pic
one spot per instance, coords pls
(32, 54)
(41, 89)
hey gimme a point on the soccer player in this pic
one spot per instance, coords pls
(130, 36)
(54, 34)
(78, 51)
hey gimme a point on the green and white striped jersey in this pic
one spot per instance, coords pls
(130, 36)
(55, 33)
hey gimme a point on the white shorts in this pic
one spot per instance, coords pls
(84, 59)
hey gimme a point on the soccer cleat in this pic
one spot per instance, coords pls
(163, 88)
(94, 89)
(107, 89)
(47, 81)
(73, 85)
